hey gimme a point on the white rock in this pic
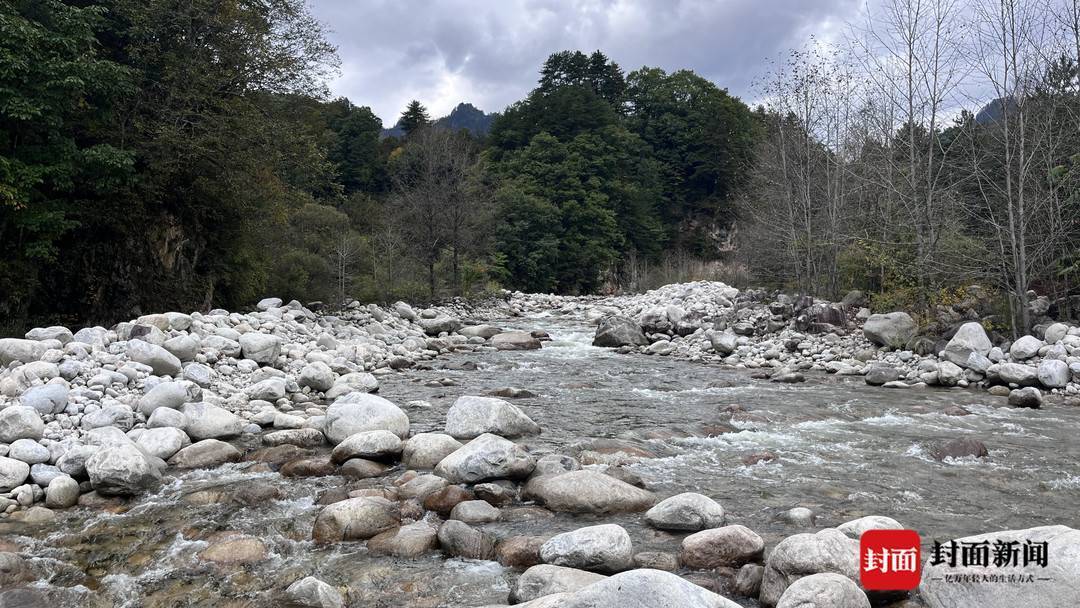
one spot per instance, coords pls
(12, 473)
(1025, 347)
(20, 422)
(162, 442)
(357, 412)
(686, 511)
(484, 458)
(62, 492)
(206, 421)
(602, 548)
(28, 451)
(318, 376)
(824, 590)
(160, 360)
(1054, 373)
(372, 445)
(969, 338)
(311, 592)
(47, 398)
(121, 470)
(16, 349)
(260, 348)
(472, 416)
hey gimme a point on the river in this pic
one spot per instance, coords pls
(842, 449)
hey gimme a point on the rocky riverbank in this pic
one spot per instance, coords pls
(98, 418)
(785, 337)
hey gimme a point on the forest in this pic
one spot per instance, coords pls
(161, 155)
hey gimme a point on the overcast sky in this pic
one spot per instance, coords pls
(443, 52)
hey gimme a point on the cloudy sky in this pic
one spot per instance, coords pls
(488, 52)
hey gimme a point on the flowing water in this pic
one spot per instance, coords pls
(841, 448)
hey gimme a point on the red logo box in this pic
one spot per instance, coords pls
(890, 560)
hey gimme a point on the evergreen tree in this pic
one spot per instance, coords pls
(414, 117)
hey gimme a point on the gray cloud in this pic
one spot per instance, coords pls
(488, 53)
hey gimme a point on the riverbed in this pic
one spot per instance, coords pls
(832, 444)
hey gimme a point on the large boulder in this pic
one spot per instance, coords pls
(374, 445)
(260, 348)
(206, 421)
(1054, 373)
(439, 325)
(207, 453)
(410, 541)
(824, 590)
(1025, 348)
(172, 395)
(160, 360)
(268, 303)
(892, 329)
(270, 389)
(1054, 333)
(970, 338)
(686, 511)
(12, 473)
(162, 442)
(20, 422)
(46, 398)
(62, 334)
(318, 376)
(724, 342)
(642, 588)
(357, 412)
(1016, 373)
(183, 347)
(515, 340)
(426, 450)
(878, 374)
(587, 491)
(1055, 583)
(603, 548)
(800, 555)
(1028, 396)
(730, 546)
(617, 331)
(949, 373)
(17, 349)
(486, 457)
(471, 417)
(121, 469)
(459, 539)
(355, 519)
(546, 579)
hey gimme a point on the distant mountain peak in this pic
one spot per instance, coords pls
(464, 116)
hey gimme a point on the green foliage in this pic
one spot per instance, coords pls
(51, 78)
(702, 139)
(568, 210)
(625, 164)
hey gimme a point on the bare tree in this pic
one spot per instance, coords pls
(345, 251)
(435, 195)
(1013, 154)
(912, 59)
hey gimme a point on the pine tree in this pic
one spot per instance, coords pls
(414, 117)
